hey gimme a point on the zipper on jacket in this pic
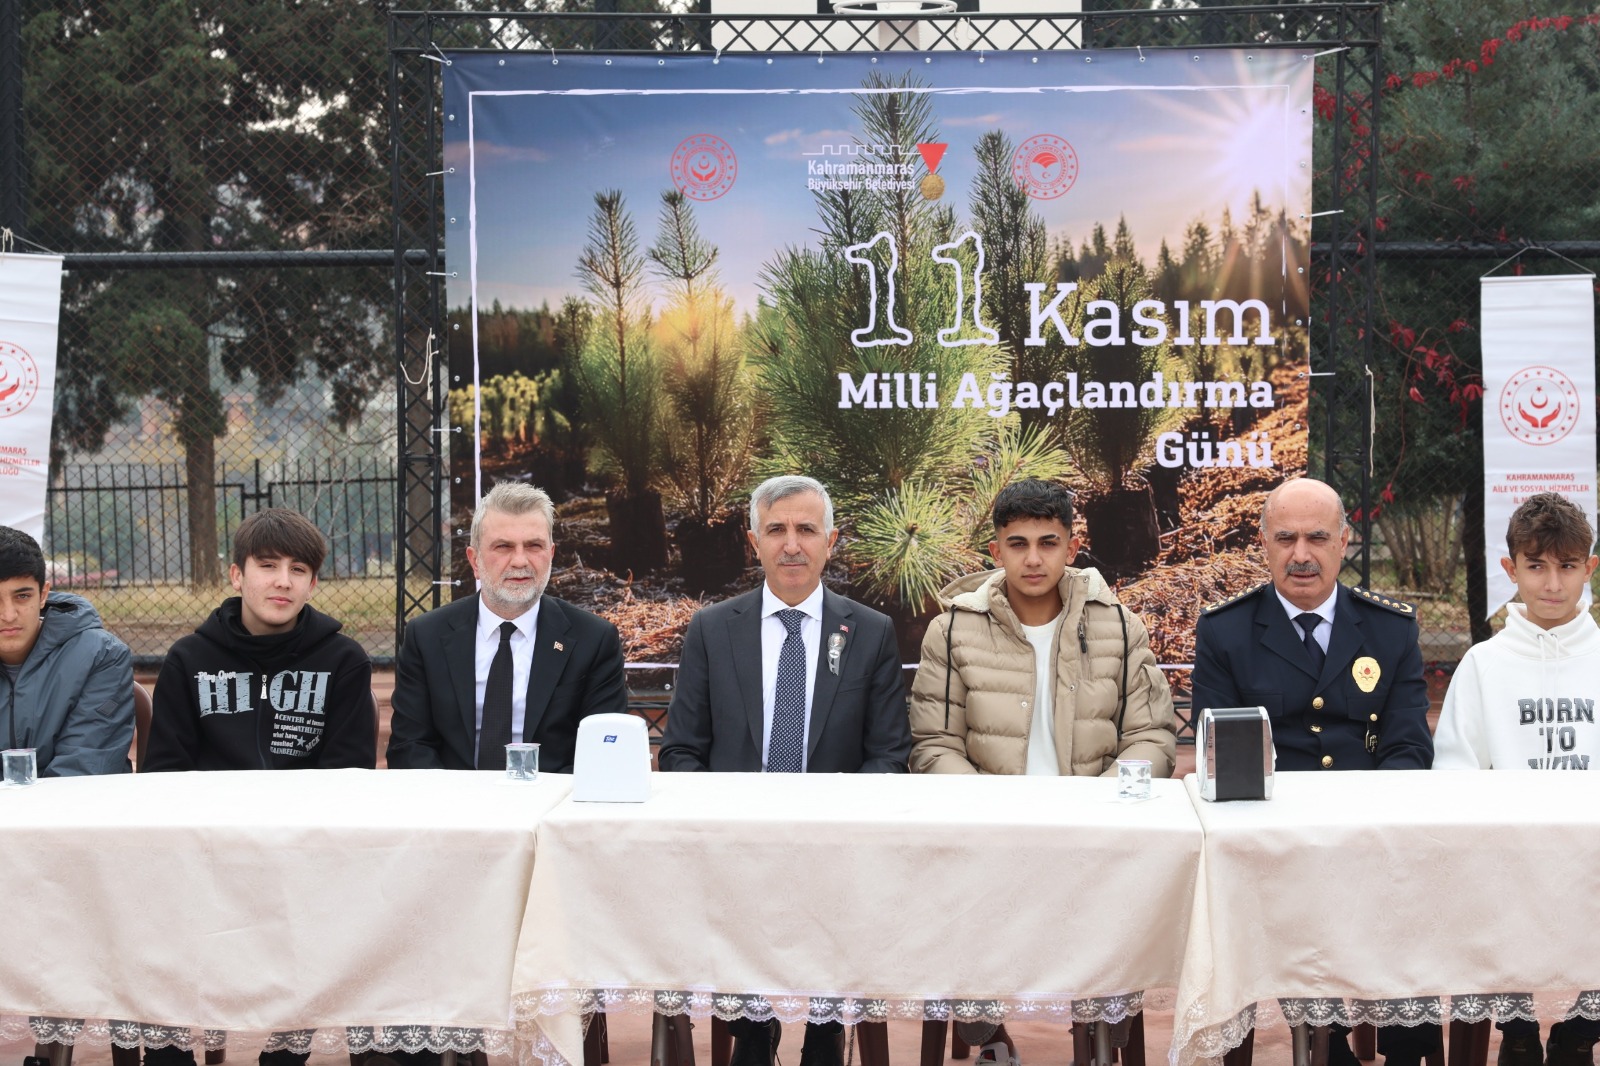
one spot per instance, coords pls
(1083, 633)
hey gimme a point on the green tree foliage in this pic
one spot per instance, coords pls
(239, 124)
(1491, 132)
(1016, 252)
(1107, 442)
(618, 369)
(895, 471)
(709, 432)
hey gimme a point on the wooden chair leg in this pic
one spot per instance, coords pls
(1469, 1043)
(1082, 1045)
(933, 1030)
(721, 1043)
(1320, 1035)
(594, 1039)
(959, 1048)
(216, 1056)
(872, 1038)
(1364, 1041)
(1133, 1054)
(1244, 1054)
(481, 1058)
(124, 1056)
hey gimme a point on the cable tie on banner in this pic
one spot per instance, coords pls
(436, 173)
(1372, 416)
(1331, 51)
(1335, 211)
(439, 273)
(9, 238)
(716, 58)
(1141, 52)
(1536, 248)
(452, 584)
(441, 57)
(427, 365)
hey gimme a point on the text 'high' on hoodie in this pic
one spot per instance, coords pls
(230, 700)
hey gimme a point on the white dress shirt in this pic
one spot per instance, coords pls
(772, 637)
(521, 662)
(1324, 610)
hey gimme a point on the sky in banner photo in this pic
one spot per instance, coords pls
(1163, 141)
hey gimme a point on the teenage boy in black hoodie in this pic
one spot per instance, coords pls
(267, 682)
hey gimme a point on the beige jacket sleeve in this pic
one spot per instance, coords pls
(1148, 721)
(937, 747)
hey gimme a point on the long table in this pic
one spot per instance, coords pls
(410, 909)
(846, 897)
(263, 905)
(1394, 898)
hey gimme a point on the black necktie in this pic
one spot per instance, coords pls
(1308, 626)
(495, 733)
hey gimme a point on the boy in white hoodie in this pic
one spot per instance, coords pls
(1525, 700)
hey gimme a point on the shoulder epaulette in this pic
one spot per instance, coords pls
(1377, 600)
(1223, 605)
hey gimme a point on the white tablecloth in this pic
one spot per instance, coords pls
(262, 902)
(849, 896)
(1399, 887)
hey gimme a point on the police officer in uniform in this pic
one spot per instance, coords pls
(1337, 668)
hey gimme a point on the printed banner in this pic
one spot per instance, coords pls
(910, 275)
(30, 309)
(1538, 415)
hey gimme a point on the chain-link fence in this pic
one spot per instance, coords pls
(219, 176)
(205, 169)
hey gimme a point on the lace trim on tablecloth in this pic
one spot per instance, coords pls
(1195, 1043)
(333, 1040)
(799, 1007)
(791, 1008)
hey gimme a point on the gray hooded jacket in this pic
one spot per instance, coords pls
(72, 698)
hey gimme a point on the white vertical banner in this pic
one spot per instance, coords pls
(1539, 400)
(30, 311)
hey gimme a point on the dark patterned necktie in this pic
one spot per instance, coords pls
(1308, 626)
(495, 733)
(787, 743)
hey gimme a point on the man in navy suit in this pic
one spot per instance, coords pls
(509, 664)
(789, 678)
(1337, 668)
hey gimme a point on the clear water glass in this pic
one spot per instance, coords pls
(1133, 779)
(522, 762)
(21, 767)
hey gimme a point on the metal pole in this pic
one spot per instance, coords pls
(13, 175)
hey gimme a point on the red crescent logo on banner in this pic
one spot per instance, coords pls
(1539, 405)
(1045, 166)
(19, 379)
(704, 167)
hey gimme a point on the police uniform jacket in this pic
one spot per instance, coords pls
(1365, 710)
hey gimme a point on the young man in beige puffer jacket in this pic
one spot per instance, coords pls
(1096, 696)
(1036, 669)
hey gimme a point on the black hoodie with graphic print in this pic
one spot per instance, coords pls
(229, 700)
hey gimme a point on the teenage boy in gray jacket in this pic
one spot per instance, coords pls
(66, 685)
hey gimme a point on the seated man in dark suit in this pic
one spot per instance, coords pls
(1338, 669)
(789, 678)
(507, 664)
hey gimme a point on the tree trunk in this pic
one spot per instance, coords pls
(713, 553)
(200, 471)
(1122, 530)
(638, 531)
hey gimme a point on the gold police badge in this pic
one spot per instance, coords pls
(1365, 671)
